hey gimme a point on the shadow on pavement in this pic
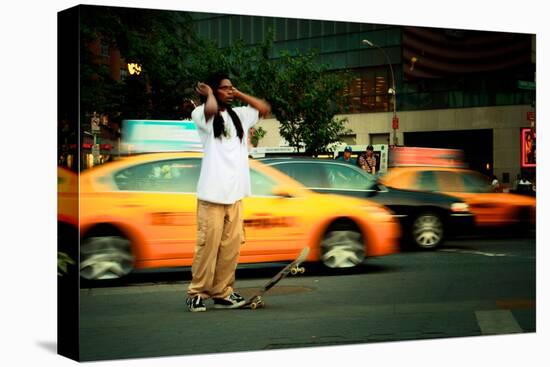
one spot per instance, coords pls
(247, 271)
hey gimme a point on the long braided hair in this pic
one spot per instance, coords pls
(214, 82)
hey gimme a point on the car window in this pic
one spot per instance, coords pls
(450, 181)
(261, 185)
(425, 181)
(309, 175)
(341, 176)
(165, 176)
(475, 182)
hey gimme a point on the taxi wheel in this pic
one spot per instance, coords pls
(67, 243)
(342, 249)
(524, 224)
(105, 257)
(427, 231)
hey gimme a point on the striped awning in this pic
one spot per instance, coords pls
(436, 52)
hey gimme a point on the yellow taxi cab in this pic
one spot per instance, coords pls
(67, 221)
(490, 209)
(140, 212)
(67, 199)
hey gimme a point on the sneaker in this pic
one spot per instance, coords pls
(234, 300)
(195, 304)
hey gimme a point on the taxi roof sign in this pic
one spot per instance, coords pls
(434, 157)
(154, 136)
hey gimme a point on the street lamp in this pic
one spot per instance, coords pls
(134, 68)
(391, 91)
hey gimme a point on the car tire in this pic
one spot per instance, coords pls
(106, 256)
(67, 244)
(342, 249)
(427, 231)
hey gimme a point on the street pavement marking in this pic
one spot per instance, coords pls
(497, 322)
(473, 252)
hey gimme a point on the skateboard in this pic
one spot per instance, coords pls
(256, 301)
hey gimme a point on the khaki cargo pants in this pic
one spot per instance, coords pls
(220, 234)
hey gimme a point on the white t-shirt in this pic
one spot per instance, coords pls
(225, 175)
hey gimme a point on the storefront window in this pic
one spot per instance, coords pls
(368, 90)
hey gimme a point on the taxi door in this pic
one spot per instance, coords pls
(274, 226)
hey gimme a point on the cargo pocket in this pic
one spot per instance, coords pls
(243, 235)
(202, 222)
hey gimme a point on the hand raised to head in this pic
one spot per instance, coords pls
(203, 89)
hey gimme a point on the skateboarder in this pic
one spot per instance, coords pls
(223, 182)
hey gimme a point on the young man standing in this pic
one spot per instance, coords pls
(224, 181)
(367, 161)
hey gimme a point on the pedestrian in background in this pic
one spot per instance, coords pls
(367, 161)
(495, 184)
(346, 157)
(223, 182)
(524, 186)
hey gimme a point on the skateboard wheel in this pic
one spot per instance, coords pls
(293, 271)
(302, 270)
(253, 305)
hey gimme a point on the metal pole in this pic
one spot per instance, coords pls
(394, 91)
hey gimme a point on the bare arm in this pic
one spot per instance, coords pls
(211, 105)
(262, 106)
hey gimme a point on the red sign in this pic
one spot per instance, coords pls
(530, 116)
(395, 122)
(528, 148)
(101, 146)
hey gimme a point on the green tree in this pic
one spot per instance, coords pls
(306, 102)
(304, 97)
(161, 41)
(257, 135)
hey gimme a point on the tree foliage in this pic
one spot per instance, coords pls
(305, 98)
(161, 41)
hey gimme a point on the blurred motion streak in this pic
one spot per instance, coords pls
(414, 156)
(491, 209)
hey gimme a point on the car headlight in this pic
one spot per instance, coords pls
(460, 207)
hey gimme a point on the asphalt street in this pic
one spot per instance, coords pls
(471, 287)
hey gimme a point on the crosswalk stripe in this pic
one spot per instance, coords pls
(497, 322)
(472, 252)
